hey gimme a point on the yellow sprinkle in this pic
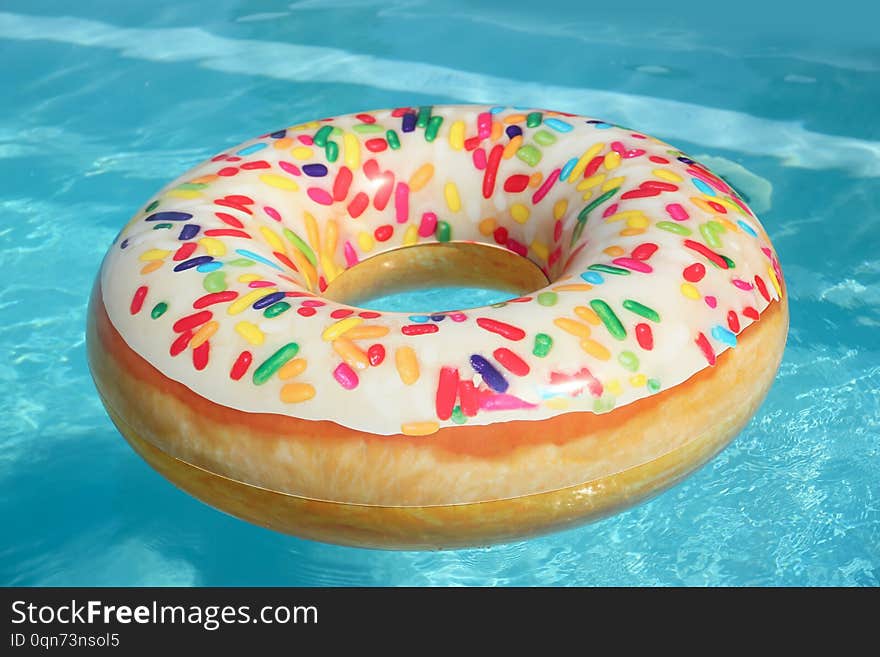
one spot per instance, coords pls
(613, 183)
(614, 251)
(184, 193)
(366, 241)
(153, 254)
(411, 236)
(312, 232)
(302, 153)
(421, 177)
(514, 118)
(638, 380)
(293, 393)
(540, 249)
(595, 349)
(775, 281)
(571, 326)
(279, 182)
(690, 291)
(512, 147)
(152, 266)
(487, 226)
(367, 332)
(250, 332)
(284, 142)
(272, 238)
(627, 232)
(519, 213)
(352, 151)
(614, 387)
(213, 246)
(666, 174)
(419, 428)
(339, 328)
(573, 287)
(331, 237)
(453, 201)
(292, 368)
(584, 160)
(559, 209)
(590, 182)
(351, 353)
(407, 365)
(612, 160)
(205, 332)
(249, 278)
(497, 129)
(587, 314)
(637, 221)
(456, 136)
(248, 299)
(556, 403)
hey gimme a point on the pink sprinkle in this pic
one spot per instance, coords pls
(401, 202)
(319, 195)
(741, 284)
(290, 168)
(677, 212)
(611, 209)
(345, 376)
(543, 189)
(428, 224)
(484, 125)
(351, 258)
(711, 301)
(635, 265)
(480, 159)
(272, 212)
(504, 402)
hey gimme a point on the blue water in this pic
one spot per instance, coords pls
(104, 102)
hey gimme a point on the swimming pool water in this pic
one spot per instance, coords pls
(105, 102)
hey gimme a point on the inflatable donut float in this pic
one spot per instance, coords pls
(228, 346)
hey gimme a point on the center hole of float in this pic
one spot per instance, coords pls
(437, 276)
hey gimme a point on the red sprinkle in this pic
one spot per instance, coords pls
(447, 390)
(376, 354)
(342, 183)
(694, 273)
(419, 329)
(200, 355)
(214, 297)
(137, 301)
(706, 348)
(516, 183)
(511, 362)
(504, 330)
(470, 400)
(644, 336)
(192, 321)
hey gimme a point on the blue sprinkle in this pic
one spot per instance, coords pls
(498, 108)
(315, 170)
(409, 122)
(209, 267)
(513, 131)
(747, 228)
(437, 318)
(188, 232)
(258, 258)
(418, 319)
(193, 262)
(253, 148)
(568, 168)
(169, 216)
(593, 277)
(280, 134)
(703, 187)
(721, 334)
(491, 376)
(557, 125)
(268, 300)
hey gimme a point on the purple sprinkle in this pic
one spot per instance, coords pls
(193, 262)
(268, 300)
(315, 170)
(188, 232)
(409, 122)
(513, 131)
(491, 376)
(169, 216)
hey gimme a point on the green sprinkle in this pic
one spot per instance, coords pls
(444, 231)
(458, 415)
(529, 154)
(642, 310)
(367, 128)
(215, 281)
(242, 262)
(547, 298)
(628, 360)
(158, 226)
(543, 345)
(393, 140)
(276, 309)
(332, 151)
(678, 229)
(544, 138)
(433, 127)
(322, 136)
(274, 363)
(533, 120)
(152, 206)
(610, 269)
(301, 245)
(709, 235)
(609, 319)
(653, 385)
(158, 310)
(424, 116)
(192, 186)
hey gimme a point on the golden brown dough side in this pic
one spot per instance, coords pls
(461, 486)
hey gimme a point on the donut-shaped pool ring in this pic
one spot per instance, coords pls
(228, 346)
